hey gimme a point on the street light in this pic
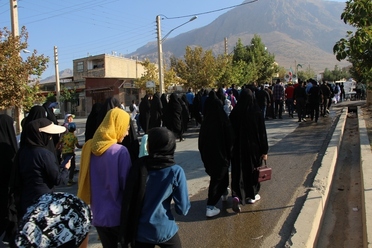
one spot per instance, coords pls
(160, 49)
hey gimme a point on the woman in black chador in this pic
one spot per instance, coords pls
(215, 144)
(144, 110)
(8, 150)
(175, 116)
(249, 149)
(156, 111)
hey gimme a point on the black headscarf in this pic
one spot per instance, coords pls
(34, 136)
(161, 146)
(109, 104)
(91, 121)
(211, 102)
(50, 114)
(36, 112)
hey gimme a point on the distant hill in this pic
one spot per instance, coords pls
(296, 31)
(62, 74)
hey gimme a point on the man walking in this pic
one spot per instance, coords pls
(278, 92)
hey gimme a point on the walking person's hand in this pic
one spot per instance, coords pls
(264, 157)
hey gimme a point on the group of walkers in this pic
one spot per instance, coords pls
(238, 139)
(130, 195)
(309, 99)
(115, 186)
(159, 111)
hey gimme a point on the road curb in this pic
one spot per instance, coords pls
(366, 184)
(311, 215)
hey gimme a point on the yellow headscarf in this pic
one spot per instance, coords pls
(112, 128)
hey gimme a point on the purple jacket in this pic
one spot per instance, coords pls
(108, 175)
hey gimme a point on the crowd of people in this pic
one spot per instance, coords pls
(129, 186)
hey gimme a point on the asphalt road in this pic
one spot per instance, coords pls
(295, 154)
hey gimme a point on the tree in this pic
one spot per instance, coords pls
(198, 69)
(260, 64)
(19, 78)
(336, 74)
(357, 46)
(151, 74)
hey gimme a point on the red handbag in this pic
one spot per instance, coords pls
(263, 173)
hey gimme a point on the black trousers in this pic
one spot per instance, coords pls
(301, 108)
(73, 165)
(217, 186)
(314, 109)
(109, 236)
(278, 108)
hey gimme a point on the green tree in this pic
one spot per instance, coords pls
(260, 64)
(357, 46)
(336, 74)
(151, 74)
(18, 86)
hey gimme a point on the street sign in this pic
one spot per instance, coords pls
(150, 84)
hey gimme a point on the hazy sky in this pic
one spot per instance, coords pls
(102, 26)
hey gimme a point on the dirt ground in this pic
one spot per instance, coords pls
(367, 112)
(342, 223)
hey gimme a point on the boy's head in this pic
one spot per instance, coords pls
(71, 127)
(69, 118)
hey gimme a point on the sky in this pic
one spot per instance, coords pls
(91, 27)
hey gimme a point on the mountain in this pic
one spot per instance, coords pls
(295, 31)
(62, 74)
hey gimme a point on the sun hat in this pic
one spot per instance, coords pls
(68, 115)
(47, 126)
(55, 220)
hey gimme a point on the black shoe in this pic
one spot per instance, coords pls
(182, 139)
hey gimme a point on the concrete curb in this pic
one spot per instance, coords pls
(308, 222)
(366, 175)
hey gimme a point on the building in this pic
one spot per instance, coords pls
(107, 75)
(98, 77)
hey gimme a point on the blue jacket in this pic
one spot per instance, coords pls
(157, 224)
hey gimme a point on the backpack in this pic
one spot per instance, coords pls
(131, 108)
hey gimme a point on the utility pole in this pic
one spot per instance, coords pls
(225, 45)
(160, 56)
(58, 90)
(14, 17)
(18, 113)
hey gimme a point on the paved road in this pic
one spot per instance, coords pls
(295, 153)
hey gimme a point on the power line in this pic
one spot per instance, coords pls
(209, 12)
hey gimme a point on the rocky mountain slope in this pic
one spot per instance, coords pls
(296, 31)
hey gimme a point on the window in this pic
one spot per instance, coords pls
(80, 66)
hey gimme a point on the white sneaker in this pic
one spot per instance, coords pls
(212, 212)
(226, 194)
(256, 198)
